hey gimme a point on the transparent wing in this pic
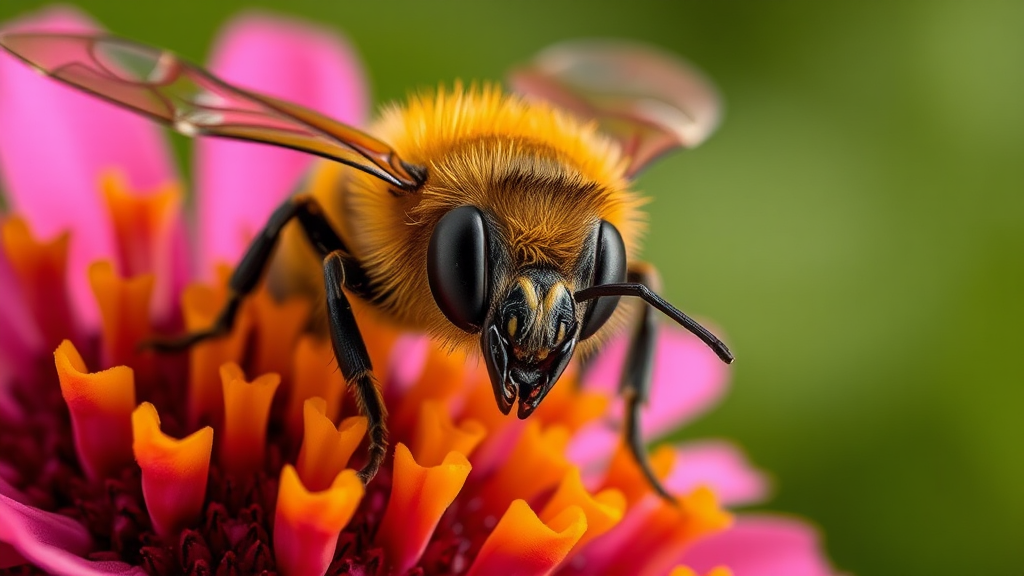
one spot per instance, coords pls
(650, 100)
(158, 84)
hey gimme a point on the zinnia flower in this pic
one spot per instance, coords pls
(233, 458)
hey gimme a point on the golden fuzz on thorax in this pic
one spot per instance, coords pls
(430, 123)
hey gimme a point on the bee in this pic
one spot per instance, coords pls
(499, 221)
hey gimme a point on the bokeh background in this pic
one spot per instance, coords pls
(855, 228)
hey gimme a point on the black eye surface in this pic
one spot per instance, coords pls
(457, 268)
(609, 268)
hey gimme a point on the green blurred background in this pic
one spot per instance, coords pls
(856, 228)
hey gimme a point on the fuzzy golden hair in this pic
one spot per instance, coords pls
(544, 178)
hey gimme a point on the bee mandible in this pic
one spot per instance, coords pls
(492, 220)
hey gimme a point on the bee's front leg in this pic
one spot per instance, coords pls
(637, 372)
(354, 361)
(250, 270)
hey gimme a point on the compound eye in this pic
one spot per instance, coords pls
(457, 268)
(609, 268)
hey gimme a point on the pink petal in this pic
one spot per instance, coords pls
(605, 549)
(50, 541)
(54, 144)
(19, 336)
(762, 546)
(408, 357)
(721, 466)
(714, 463)
(688, 379)
(239, 184)
(592, 446)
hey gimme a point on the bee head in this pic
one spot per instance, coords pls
(530, 329)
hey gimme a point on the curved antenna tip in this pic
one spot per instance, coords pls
(649, 296)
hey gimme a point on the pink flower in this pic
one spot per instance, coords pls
(186, 465)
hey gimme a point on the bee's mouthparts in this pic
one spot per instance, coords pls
(510, 377)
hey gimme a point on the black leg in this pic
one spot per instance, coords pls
(340, 271)
(637, 372)
(354, 362)
(247, 275)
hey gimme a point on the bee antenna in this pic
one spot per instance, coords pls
(641, 291)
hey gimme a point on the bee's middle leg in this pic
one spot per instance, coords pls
(354, 362)
(250, 269)
(637, 373)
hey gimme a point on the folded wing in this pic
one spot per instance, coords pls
(158, 84)
(649, 100)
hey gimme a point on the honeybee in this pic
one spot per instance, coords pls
(503, 221)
